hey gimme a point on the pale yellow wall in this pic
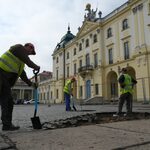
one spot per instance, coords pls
(138, 36)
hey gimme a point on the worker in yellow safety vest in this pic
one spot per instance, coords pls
(126, 92)
(12, 64)
(68, 92)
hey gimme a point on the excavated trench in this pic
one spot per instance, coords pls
(94, 118)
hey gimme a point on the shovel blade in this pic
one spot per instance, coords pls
(36, 123)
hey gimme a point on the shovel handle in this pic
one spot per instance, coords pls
(35, 73)
(35, 111)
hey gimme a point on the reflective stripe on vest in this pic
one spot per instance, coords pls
(66, 87)
(128, 85)
(10, 63)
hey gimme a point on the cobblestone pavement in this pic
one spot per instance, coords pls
(22, 139)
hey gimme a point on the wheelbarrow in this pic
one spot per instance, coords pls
(35, 119)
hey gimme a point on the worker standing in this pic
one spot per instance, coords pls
(68, 92)
(12, 64)
(126, 92)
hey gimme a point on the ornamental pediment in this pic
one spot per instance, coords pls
(86, 28)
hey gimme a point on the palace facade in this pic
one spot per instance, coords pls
(101, 47)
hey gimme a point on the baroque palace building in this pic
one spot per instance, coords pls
(102, 46)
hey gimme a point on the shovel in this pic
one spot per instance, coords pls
(36, 120)
(73, 99)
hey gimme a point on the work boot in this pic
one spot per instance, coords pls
(10, 128)
(118, 114)
(128, 114)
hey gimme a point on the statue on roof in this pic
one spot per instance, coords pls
(91, 15)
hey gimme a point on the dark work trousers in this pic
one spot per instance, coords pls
(128, 98)
(6, 101)
(67, 101)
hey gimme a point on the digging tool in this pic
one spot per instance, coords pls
(36, 120)
(73, 99)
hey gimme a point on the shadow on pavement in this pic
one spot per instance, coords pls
(84, 110)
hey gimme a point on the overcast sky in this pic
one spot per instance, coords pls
(43, 23)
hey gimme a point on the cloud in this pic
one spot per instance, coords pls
(44, 22)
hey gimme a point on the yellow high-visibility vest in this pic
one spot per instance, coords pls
(67, 87)
(10, 63)
(128, 85)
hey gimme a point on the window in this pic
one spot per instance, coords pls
(113, 88)
(87, 43)
(95, 38)
(125, 24)
(96, 89)
(80, 62)
(95, 60)
(126, 50)
(67, 55)
(57, 94)
(47, 95)
(110, 55)
(67, 71)
(56, 74)
(74, 51)
(44, 95)
(149, 8)
(75, 68)
(80, 91)
(51, 94)
(109, 33)
(80, 47)
(87, 60)
(57, 60)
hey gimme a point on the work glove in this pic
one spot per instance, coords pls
(35, 85)
(37, 68)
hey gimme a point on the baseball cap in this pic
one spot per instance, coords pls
(32, 47)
